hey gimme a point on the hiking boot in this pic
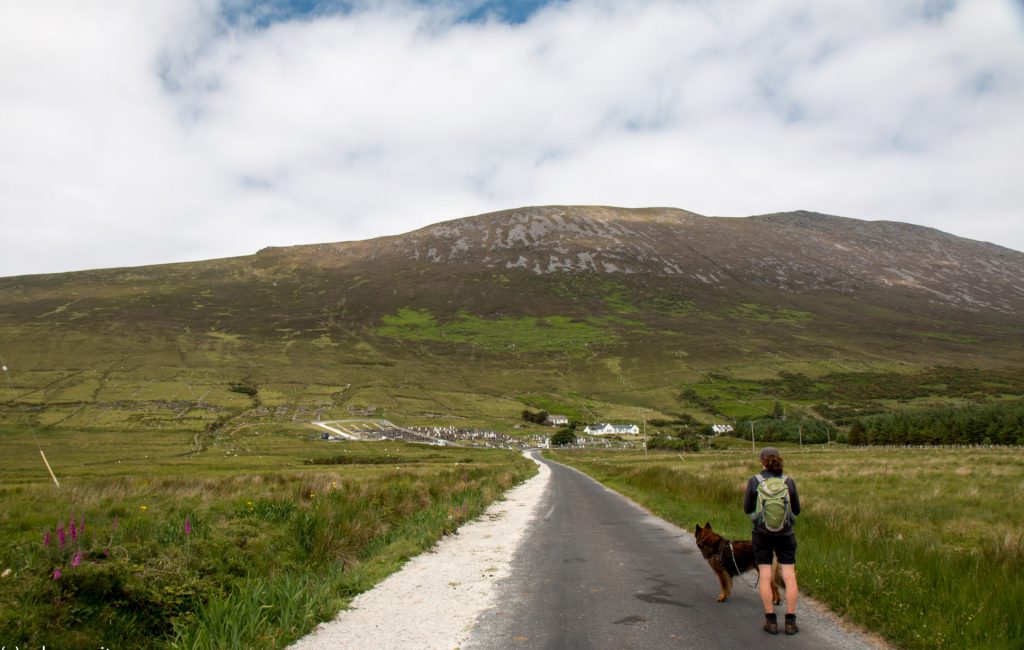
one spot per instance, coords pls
(791, 627)
(771, 625)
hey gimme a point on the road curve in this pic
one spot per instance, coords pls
(596, 571)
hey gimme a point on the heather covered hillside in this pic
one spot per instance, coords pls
(597, 312)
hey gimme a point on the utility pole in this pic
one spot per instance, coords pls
(752, 436)
(644, 420)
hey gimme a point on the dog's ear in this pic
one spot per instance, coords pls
(697, 532)
(707, 524)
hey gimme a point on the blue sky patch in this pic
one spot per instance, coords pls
(261, 14)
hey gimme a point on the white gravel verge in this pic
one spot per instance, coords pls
(432, 601)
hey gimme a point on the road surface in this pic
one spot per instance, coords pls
(596, 571)
(564, 563)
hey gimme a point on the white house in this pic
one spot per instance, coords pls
(608, 429)
(557, 420)
(721, 428)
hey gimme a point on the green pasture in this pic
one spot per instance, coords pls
(924, 547)
(570, 406)
(468, 391)
(248, 540)
(512, 335)
(447, 392)
(745, 408)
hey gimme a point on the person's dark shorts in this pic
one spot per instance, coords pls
(782, 547)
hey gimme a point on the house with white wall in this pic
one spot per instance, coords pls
(610, 429)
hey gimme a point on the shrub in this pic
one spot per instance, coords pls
(563, 438)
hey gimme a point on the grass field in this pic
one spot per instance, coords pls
(925, 547)
(248, 542)
(555, 333)
(186, 388)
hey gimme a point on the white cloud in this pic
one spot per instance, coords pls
(134, 135)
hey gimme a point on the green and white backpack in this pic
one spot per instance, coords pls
(772, 511)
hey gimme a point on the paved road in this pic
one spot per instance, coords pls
(597, 571)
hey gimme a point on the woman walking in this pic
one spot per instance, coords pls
(772, 502)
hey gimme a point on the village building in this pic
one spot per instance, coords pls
(557, 420)
(610, 429)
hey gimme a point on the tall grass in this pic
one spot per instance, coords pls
(923, 547)
(251, 561)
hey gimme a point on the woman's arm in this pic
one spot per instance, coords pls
(750, 496)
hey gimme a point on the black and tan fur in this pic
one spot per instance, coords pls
(725, 559)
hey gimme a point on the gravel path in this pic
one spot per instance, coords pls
(432, 602)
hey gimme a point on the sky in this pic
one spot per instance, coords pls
(135, 133)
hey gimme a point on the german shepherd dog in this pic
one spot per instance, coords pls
(728, 559)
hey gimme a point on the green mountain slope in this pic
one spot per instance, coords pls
(598, 312)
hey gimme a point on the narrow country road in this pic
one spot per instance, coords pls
(596, 571)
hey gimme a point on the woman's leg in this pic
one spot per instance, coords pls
(789, 579)
(764, 587)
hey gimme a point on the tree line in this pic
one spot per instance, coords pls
(1000, 423)
(779, 429)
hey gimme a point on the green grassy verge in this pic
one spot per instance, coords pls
(200, 555)
(923, 547)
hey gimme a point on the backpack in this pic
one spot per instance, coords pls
(772, 511)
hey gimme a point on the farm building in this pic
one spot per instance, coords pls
(557, 420)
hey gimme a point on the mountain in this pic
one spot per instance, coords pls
(545, 306)
(796, 252)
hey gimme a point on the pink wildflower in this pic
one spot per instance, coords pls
(74, 531)
(56, 574)
(188, 527)
(115, 522)
(46, 539)
(75, 561)
(62, 536)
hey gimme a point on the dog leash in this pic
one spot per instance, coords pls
(740, 573)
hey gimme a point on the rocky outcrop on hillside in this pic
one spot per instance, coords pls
(793, 252)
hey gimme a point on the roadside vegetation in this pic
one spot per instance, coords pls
(922, 546)
(168, 398)
(195, 552)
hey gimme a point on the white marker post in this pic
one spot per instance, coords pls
(49, 469)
